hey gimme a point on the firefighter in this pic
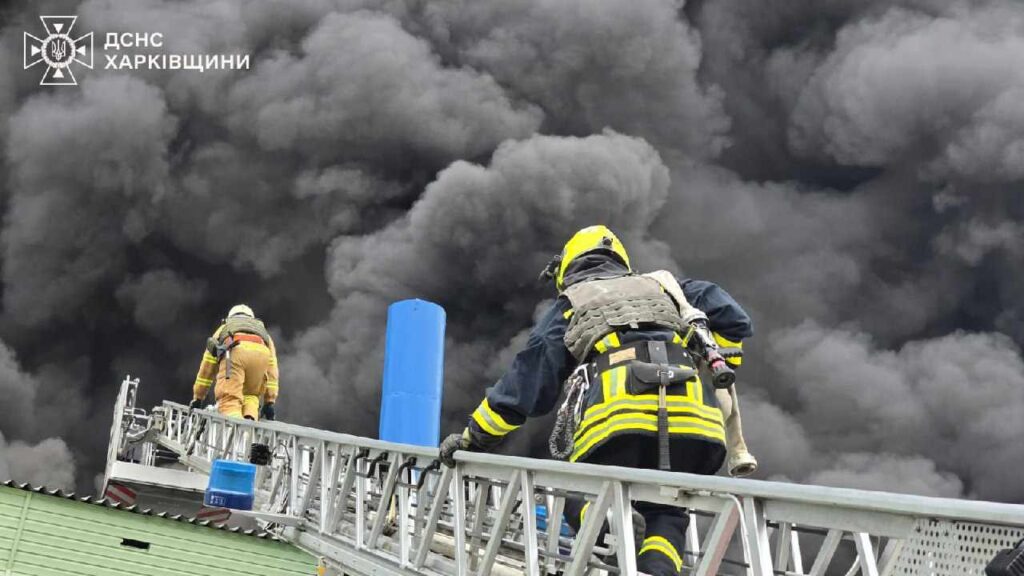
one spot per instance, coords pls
(620, 327)
(242, 358)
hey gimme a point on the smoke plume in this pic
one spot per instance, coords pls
(849, 170)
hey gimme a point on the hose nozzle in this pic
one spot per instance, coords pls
(722, 376)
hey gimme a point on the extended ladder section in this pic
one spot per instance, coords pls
(371, 507)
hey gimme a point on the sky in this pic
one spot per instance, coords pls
(851, 171)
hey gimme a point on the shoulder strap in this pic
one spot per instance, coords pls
(675, 291)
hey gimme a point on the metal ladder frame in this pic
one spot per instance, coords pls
(372, 507)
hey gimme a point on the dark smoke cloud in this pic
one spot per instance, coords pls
(883, 471)
(591, 64)
(86, 169)
(48, 463)
(18, 390)
(849, 170)
(364, 86)
(477, 226)
(908, 85)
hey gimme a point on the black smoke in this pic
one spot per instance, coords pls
(851, 171)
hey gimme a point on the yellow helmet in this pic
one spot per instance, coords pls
(240, 310)
(585, 241)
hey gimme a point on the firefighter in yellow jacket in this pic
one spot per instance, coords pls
(645, 406)
(241, 357)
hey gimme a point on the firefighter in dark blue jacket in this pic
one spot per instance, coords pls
(616, 323)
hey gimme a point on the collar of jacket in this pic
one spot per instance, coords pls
(594, 267)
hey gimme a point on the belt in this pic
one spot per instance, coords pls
(244, 337)
(622, 355)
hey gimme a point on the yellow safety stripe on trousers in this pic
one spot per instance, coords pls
(272, 385)
(724, 342)
(203, 381)
(634, 421)
(234, 413)
(208, 358)
(491, 421)
(659, 544)
(609, 341)
(583, 511)
(273, 361)
(568, 313)
(651, 407)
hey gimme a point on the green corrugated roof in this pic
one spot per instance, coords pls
(44, 534)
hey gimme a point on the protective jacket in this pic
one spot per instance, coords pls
(590, 324)
(253, 373)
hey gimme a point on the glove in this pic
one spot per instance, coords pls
(268, 412)
(450, 445)
(195, 404)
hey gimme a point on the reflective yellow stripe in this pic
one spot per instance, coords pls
(273, 361)
(690, 402)
(647, 422)
(724, 342)
(479, 419)
(618, 381)
(208, 358)
(659, 544)
(234, 414)
(490, 421)
(651, 407)
(204, 381)
(274, 386)
(501, 423)
(643, 419)
(568, 313)
(609, 341)
(613, 382)
(583, 511)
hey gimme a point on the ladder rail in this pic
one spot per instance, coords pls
(355, 502)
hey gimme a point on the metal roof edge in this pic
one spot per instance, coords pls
(134, 509)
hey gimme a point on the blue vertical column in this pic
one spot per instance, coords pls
(410, 403)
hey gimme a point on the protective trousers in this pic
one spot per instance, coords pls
(660, 552)
(239, 395)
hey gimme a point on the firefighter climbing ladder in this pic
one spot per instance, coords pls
(371, 507)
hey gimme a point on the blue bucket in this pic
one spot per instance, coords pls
(542, 521)
(232, 485)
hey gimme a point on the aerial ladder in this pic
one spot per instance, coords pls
(363, 506)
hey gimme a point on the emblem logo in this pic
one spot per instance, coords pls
(58, 50)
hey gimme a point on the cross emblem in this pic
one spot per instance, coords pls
(58, 50)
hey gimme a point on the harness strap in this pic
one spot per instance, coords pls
(659, 356)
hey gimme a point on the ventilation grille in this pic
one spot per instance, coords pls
(948, 548)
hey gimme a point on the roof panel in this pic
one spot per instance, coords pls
(134, 509)
(69, 536)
